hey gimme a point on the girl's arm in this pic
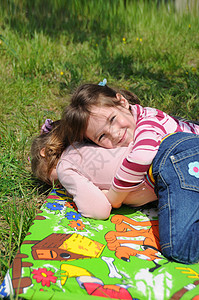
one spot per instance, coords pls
(116, 198)
(135, 166)
(90, 200)
(140, 195)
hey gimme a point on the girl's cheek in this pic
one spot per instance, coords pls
(108, 145)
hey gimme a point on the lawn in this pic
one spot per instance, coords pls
(49, 47)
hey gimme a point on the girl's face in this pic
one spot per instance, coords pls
(53, 176)
(111, 127)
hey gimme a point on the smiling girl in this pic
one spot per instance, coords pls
(106, 117)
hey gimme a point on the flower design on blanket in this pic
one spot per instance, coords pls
(77, 224)
(44, 276)
(194, 169)
(73, 216)
(54, 206)
(71, 205)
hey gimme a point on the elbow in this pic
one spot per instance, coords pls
(97, 214)
(103, 215)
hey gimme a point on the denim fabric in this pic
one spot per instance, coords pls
(176, 174)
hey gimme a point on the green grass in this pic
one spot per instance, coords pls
(47, 48)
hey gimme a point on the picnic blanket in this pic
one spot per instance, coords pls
(66, 256)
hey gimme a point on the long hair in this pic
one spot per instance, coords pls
(53, 144)
(76, 114)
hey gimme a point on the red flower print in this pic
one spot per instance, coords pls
(44, 276)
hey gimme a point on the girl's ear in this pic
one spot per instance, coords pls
(123, 101)
(42, 152)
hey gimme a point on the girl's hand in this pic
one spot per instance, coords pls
(116, 198)
(104, 192)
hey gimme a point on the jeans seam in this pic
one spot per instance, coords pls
(177, 160)
(169, 208)
(164, 246)
(162, 207)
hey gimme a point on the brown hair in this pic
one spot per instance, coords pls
(53, 144)
(76, 115)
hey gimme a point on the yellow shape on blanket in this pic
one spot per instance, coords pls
(69, 271)
(82, 245)
(189, 271)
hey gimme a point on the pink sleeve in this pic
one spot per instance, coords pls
(147, 138)
(90, 200)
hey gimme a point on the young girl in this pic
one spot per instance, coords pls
(83, 169)
(100, 114)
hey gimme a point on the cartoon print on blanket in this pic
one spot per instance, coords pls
(67, 256)
(135, 238)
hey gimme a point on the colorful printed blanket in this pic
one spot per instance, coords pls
(66, 256)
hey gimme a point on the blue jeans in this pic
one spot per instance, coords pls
(176, 173)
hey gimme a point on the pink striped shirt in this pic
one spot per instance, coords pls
(151, 126)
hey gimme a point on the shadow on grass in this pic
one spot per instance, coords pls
(55, 17)
(79, 19)
(41, 187)
(154, 82)
(174, 91)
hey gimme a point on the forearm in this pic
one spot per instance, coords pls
(90, 200)
(116, 198)
(138, 196)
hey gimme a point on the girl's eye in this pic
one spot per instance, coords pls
(112, 119)
(101, 137)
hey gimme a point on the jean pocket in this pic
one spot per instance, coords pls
(186, 165)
